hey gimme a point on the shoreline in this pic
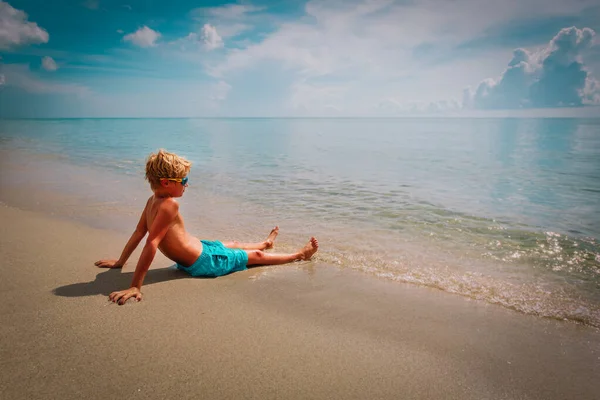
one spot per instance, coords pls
(307, 330)
(84, 199)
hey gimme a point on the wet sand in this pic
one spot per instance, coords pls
(308, 330)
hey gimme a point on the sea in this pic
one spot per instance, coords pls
(504, 211)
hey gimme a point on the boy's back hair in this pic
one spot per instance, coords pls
(165, 165)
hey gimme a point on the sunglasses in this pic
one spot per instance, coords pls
(183, 181)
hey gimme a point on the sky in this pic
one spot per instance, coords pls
(320, 58)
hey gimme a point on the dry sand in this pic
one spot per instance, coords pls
(306, 331)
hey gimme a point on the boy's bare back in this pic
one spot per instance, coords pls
(176, 244)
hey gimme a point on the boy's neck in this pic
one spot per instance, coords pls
(161, 194)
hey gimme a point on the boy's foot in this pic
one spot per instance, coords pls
(271, 237)
(311, 248)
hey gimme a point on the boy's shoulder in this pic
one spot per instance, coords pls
(157, 203)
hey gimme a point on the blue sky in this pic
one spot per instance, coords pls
(181, 58)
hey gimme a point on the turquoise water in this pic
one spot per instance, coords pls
(502, 210)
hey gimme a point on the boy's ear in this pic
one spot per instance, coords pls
(164, 182)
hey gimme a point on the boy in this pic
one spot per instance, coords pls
(167, 174)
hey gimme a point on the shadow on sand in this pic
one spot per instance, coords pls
(113, 279)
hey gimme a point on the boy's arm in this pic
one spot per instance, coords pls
(162, 222)
(132, 243)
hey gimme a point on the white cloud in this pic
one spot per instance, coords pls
(16, 30)
(211, 38)
(189, 42)
(208, 38)
(20, 76)
(120, 31)
(552, 76)
(168, 98)
(332, 107)
(49, 64)
(2, 80)
(296, 46)
(591, 91)
(392, 107)
(450, 21)
(232, 30)
(219, 91)
(354, 38)
(376, 37)
(226, 12)
(143, 37)
(231, 20)
(316, 98)
(91, 4)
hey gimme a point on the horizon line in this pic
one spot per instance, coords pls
(316, 117)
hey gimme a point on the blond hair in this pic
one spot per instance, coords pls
(165, 165)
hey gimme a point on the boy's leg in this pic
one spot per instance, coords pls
(267, 244)
(258, 257)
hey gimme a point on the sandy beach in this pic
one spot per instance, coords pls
(309, 330)
(437, 161)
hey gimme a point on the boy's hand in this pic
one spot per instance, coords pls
(108, 264)
(122, 296)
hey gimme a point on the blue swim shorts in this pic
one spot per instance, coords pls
(217, 260)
